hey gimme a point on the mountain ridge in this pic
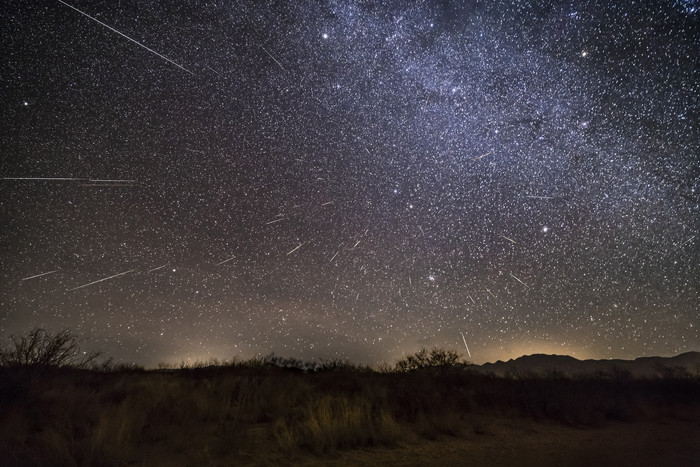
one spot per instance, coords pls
(685, 363)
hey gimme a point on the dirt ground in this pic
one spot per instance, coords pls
(671, 442)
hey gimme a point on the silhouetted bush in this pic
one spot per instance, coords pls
(40, 348)
(421, 360)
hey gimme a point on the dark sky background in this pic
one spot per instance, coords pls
(352, 179)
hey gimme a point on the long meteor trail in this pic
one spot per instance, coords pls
(62, 179)
(127, 37)
(39, 275)
(103, 279)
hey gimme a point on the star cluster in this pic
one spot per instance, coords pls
(352, 179)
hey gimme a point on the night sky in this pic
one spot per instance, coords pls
(352, 179)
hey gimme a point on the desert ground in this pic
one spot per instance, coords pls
(284, 412)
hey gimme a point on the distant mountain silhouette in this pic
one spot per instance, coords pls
(641, 367)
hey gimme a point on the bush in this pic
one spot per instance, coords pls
(40, 348)
(435, 359)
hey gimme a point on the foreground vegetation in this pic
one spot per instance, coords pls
(273, 410)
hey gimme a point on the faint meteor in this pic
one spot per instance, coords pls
(509, 239)
(327, 203)
(336, 254)
(104, 279)
(39, 275)
(483, 155)
(97, 180)
(471, 299)
(100, 183)
(358, 242)
(155, 269)
(127, 37)
(275, 220)
(276, 61)
(465, 344)
(295, 249)
(62, 179)
(511, 275)
(225, 261)
(519, 98)
(93, 182)
(217, 73)
(687, 241)
(491, 293)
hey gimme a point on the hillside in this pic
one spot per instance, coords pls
(686, 363)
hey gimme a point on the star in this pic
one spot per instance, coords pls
(263, 168)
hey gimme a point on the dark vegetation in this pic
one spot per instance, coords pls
(59, 407)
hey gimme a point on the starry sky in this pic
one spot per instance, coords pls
(352, 179)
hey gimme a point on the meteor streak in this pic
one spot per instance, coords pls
(687, 241)
(465, 344)
(97, 180)
(509, 239)
(225, 261)
(276, 61)
(511, 275)
(39, 275)
(483, 155)
(43, 178)
(217, 73)
(104, 279)
(295, 249)
(127, 37)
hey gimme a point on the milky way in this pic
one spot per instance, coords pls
(355, 179)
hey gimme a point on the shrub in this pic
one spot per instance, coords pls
(435, 359)
(40, 348)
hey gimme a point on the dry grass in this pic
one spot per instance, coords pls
(239, 413)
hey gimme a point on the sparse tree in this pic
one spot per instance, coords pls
(39, 348)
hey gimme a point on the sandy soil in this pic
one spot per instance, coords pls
(486, 441)
(670, 442)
